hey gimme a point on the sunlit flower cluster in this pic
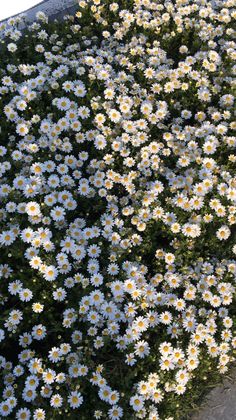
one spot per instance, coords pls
(118, 208)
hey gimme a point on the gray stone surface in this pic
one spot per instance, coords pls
(220, 404)
(52, 8)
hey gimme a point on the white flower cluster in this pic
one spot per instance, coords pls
(118, 208)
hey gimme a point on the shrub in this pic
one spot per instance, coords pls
(117, 209)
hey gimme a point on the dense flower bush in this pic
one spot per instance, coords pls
(117, 209)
